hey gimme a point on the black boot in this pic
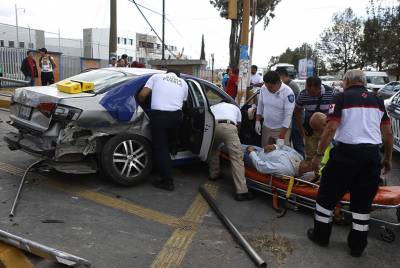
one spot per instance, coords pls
(167, 185)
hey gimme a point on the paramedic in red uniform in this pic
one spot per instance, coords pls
(358, 120)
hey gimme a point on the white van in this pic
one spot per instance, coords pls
(376, 80)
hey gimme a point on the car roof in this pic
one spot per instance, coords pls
(135, 71)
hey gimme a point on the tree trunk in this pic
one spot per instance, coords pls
(232, 42)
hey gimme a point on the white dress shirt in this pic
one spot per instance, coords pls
(168, 92)
(226, 111)
(284, 160)
(276, 108)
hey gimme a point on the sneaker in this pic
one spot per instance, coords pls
(165, 185)
(244, 196)
(311, 236)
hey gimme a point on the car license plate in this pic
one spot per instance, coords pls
(25, 112)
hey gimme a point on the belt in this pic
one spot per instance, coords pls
(359, 145)
(226, 122)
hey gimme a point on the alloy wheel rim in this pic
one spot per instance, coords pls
(130, 158)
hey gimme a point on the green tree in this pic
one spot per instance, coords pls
(264, 12)
(392, 40)
(374, 47)
(203, 52)
(340, 44)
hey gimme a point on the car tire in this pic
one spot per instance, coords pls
(126, 159)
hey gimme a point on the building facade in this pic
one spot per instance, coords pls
(25, 38)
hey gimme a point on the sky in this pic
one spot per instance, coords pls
(295, 22)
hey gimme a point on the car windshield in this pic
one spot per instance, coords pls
(101, 78)
(377, 80)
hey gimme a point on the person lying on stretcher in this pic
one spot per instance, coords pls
(275, 159)
(284, 160)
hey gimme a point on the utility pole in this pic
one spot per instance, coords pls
(163, 31)
(16, 23)
(59, 40)
(253, 24)
(212, 67)
(113, 30)
(244, 50)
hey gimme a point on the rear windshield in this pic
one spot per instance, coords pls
(101, 78)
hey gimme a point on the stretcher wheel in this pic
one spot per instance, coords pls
(387, 235)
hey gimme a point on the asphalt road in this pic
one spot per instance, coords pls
(142, 226)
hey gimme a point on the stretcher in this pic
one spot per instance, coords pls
(303, 193)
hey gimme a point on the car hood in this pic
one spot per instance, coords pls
(32, 96)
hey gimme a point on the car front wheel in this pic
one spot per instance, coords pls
(126, 159)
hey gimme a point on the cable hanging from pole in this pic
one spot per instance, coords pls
(151, 27)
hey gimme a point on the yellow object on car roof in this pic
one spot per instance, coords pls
(74, 87)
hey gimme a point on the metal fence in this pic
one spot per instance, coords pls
(10, 60)
(69, 66)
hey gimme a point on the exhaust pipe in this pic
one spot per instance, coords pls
(258, 261)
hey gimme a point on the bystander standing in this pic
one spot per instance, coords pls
(233, 81)
(29, 68)
(47, 66)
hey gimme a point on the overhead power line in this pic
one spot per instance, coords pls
(151, 27)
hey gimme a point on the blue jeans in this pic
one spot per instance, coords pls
(31, 80)
(295, 137)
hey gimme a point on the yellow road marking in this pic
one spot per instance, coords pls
(11, 257)
(99, 198)
(178, 244)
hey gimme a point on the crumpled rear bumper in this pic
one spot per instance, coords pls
(28, 143)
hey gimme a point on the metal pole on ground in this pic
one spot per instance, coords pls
(233, 230)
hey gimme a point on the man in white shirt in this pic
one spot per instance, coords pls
(275, 105)
(169, 91)
(228, 118)
(256, 80)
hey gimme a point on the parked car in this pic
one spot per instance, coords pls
(389, 90)
(107, 130)
(376, 80)
(393, 109)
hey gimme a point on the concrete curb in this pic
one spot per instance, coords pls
(5, 102)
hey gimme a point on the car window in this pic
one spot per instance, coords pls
(377, 80)
(194, 91)
(212, 95)
(101, 78)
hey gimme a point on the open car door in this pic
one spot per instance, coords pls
(199, 121)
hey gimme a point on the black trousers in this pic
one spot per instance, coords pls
(164, 130)
(47, 78)
(354, 169)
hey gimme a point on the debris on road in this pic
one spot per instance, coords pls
(43, 251)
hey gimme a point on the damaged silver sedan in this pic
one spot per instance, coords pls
(107, 130)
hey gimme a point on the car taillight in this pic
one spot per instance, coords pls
(46, 108)
(66, 113)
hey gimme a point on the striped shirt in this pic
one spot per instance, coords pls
(310, 103)
(360, 114)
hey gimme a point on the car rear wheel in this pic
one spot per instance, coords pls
(126, 159)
